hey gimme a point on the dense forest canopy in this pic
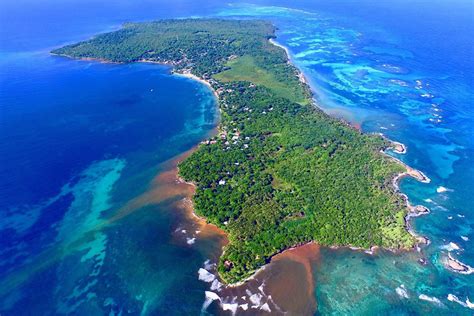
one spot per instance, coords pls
(280, 172)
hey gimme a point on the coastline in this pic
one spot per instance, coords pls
(100, 60)
(191, 209)
(189, 75)
(413, 211)
(287, 51)
(301, 76)
(397, 147)
(206, 229)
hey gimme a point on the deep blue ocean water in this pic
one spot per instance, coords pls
(79, 139)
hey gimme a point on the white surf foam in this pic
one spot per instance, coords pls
(467, 269)
(469, 304)
(216, 285)
(454, 298)
(205, 275)
(190, 241)
(244, 306)
(256, 299)
(402, 291)
(442, 189)
(450, 247)
(208, 265)
(431, 299)
(266, 307)
(270, 299)
(210, 297)
(230, 307)
(465, 238)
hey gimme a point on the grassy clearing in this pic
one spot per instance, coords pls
(246, 69)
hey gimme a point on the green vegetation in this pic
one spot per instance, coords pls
(280, 172)
(245, 69)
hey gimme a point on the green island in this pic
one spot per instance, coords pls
(280, 172)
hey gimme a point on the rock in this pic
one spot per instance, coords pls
(457, 266)
(422, 240)
(420, 210)
(399, 148)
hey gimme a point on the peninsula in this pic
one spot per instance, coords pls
(279, 172)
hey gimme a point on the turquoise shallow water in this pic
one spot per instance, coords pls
(78, 140)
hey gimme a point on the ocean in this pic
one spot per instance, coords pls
(92, 220)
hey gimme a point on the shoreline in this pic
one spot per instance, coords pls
(398, 148)
(413, 210)
(191, 76)
(183, 73)
(301, 76)
(100, 60)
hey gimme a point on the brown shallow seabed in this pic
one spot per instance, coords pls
(168, 187)
(290, 281)
(287, 282)
(286, 285)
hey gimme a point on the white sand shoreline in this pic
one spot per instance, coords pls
(201, 80)
(301, 75)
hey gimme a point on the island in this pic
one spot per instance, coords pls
(278, 172)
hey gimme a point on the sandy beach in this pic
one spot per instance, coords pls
(271, 40)
(301, 75)
(189, 75)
